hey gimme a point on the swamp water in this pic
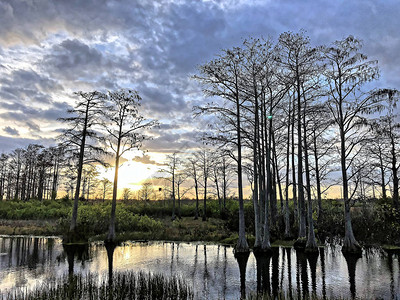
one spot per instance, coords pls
(211, 270)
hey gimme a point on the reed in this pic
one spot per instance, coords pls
(124, 285)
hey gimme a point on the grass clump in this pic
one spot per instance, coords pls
(124, 285)
(292, 294)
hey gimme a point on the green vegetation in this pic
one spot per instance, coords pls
(375, 223)
(124, 285)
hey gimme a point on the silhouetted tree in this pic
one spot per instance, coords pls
(347, 70)
(4, 161)
(192, 170)
(106, 187)
(171, 166)
(388, 127)
(146, 191)
(80, 130)
(222, 77)
(205, 161)
(299, 62)
(125, 127)
(126, 194)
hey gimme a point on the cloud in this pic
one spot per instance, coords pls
(169, 142)
(7, 144)
(11, 131)
(146, 159)
(49, 49)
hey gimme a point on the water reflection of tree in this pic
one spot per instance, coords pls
(205, 274)
(78, 251)
(110, 247)
(224, 272)
(172, 258)
(351, 260)
(26, 251)
(323, 274)
(389, 263)
(33, 258)
(301, 268)
(282, 268)
(242, 258)
(275, 272)
(263, 275)
(289, 266)
(195, 261)
(312, 262)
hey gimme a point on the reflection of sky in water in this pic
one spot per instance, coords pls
(211, 269)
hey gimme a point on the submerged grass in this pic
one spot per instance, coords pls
(124, 285)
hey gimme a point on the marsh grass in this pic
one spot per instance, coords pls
(124, 285)
(374, 223)
(292, 295)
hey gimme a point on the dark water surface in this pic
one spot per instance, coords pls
(211, 270)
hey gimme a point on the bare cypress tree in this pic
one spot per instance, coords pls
(4, 165)
(298, 60)
(215, 178)
(347, 70)
(388, 127)
(311, 245)
(85, 117)
(322, 147)
(172, 163)
(58, 163)
(287, 183)
(192, 171)
(253, 66)
(204, 159)
(222, 78)
(125, 127)
(106, 188)
(16, 166)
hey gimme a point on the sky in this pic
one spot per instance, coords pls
(51, 49)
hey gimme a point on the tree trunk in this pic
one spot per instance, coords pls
(79, 175)
(205, 188)
(394, 173)
(205, 196)
(311, 245)
(302, 223)
(261, 168)
(173, 190)
(294, 185)
(196, 188)
(179, 198)
(257, 243)
(350, 245)
(55, 179)
(278, 178)
(287, 213)
(317, 175)
(111, 229)
(217, 188)
(383, 185)
(241, 245)
(266, 244)
(224, 182)
(270, 171)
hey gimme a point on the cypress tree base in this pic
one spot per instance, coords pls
(300, 244)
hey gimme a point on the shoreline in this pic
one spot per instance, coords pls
(49, 229)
